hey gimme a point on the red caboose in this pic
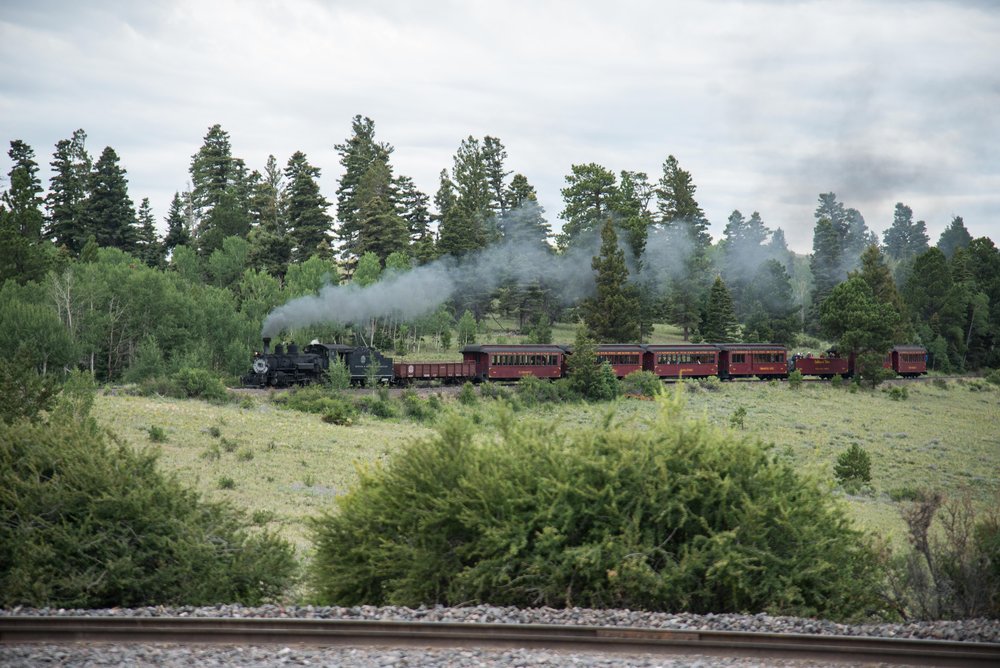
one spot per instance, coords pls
(510, 362)
(745, 360)
(624, 358)
(696, 360)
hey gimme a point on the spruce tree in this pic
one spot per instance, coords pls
(270, 245)
(720, 324)
(25, 258)
(904, 240)
(381, 229)
(148, 247)
(875, 272)
(955, 236)
(612, 314)
(68, 190)
(357, 156)
(827, 268)
(109, 210)
(309, 225)
(178, 230)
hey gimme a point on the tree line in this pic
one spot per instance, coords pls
(88, 281)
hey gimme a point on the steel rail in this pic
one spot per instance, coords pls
(619, 640)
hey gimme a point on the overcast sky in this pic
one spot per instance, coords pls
(767, 104)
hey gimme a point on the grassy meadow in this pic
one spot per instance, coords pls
(283, 466)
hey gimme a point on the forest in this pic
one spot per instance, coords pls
(88, 281)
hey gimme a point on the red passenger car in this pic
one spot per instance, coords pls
(698, 360)
(908, 361)
(624, 358)
(500, 362)
(745, 360)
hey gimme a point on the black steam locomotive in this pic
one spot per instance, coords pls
(288, 366)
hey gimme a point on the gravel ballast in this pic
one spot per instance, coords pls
(973, 630)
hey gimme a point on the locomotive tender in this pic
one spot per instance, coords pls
(287, 366)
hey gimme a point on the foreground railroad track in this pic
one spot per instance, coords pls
(611, 640)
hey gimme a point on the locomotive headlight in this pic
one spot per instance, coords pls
(260, 365)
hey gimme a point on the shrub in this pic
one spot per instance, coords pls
(674, 515)
(26, 393)
(952, 569)
(467, 395)
(157, 434)
(837, 381)
(493, 391)
(738, 420)
(898, 393)
(795, 379)
(710, 384)
(244, 454)
(993, 377)
(854, 466)
(533, 391)
(642, 383)
(339, 411)
(941, 384)
(417, 408)
(191, 383)
(377, 406)
(225, 482)
(87, 522)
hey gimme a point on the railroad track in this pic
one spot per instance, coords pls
(611, 640)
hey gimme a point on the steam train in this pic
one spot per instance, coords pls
(287, 365)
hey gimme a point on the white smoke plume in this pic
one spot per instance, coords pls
(421, 290)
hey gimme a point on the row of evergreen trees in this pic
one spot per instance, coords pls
(656, 260)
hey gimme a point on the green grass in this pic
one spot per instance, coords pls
(944, 439)
(285, 465)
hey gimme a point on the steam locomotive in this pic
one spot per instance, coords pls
(287, 366)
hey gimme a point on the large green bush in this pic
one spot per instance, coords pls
(85, 521)
(675, 515)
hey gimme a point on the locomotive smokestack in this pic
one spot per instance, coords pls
(267, 344)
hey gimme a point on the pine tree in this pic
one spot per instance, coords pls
(720, 324)
(357, 156)
(612, 314)
(412, 207)
(773, 314)
(826, 266)
(68, 190)
(308, 222)
(109, 210)
(525, 223)
(24, 257)
(683, 222)
(494, 156)
(589, 196)
(219, 194)
(955, 236)
(456, 233)
(875, 272)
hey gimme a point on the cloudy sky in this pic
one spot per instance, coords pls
(766, 103)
